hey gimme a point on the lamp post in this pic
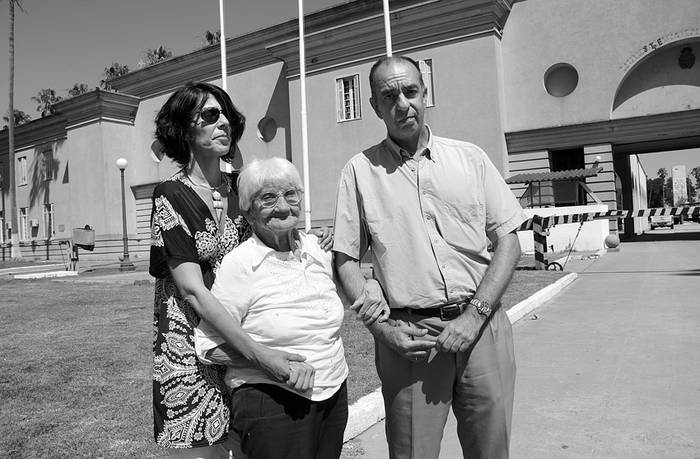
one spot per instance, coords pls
(126, 264)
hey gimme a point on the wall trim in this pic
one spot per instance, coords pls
(650, 128)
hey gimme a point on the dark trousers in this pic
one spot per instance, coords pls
(274, 423)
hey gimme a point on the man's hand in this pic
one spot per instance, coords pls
(301, 376)
(325, 237)
(277, 364)
(409, 342)
(459, 333)
(371, 306)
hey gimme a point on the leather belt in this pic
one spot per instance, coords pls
(445, 312)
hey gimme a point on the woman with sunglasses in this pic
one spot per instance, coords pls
(278, 286)
(195, 222)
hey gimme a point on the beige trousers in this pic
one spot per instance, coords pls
(478, 384)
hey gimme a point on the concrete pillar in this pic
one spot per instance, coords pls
(603, 185)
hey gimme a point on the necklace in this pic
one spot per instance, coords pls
(217, 202)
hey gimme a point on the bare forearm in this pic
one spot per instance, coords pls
(227, 327)
(500, 271)
(349, 275)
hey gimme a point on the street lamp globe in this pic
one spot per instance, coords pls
(122, 163)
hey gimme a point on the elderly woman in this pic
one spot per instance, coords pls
(195, 222)
(278, 285)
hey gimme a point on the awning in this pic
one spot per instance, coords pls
(570, 175)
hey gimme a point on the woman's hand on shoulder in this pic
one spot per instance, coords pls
(325, 237)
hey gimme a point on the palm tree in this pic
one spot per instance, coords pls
(212, 38)
(46, 98)
(155, 55)
(662, 173)
(113, 71)
(20, 118)
(78, 89)
(15, 252)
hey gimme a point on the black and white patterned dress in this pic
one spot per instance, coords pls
(190, 399)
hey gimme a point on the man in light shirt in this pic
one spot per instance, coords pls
(429, 207)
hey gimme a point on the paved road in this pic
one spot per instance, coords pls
(610, 368)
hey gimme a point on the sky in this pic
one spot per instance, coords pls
(62, 42)
(652, 162)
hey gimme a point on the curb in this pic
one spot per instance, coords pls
(46, 275)
(539, 298)
(369, 409)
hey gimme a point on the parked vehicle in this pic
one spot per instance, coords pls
(656, 221)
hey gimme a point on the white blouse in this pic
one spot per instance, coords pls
(286, 301)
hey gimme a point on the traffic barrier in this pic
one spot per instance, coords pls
(540, 225)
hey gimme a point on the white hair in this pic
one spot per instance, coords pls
(261, 172)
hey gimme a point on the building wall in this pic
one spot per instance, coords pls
(468, 106)
(603, 40)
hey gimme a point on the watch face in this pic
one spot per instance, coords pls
(482, 307)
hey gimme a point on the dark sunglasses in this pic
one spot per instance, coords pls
(210, 115)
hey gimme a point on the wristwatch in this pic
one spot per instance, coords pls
(482, 306)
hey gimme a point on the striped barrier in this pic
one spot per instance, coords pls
(540, 225)
(551, 220)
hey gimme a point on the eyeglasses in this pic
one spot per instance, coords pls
(210, 115)
(269, 200)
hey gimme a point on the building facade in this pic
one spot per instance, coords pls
(541, 85)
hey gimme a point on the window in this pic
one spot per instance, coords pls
(426, 71)
(23, 224)
(348, 98)
(49, 225)
(22, 170)
(47, 165)
(567, 193)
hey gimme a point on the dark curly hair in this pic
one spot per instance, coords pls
(175, 117)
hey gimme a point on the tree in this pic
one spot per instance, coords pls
(20, 118)
(155, 55)
(78, 89)
(211, 38)
(14, 238)
(662, 173)
(46, 100)
(695, 173)
(692, 189)
(110, 73)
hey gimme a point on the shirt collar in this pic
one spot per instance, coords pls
(394, 148)
(306, 250)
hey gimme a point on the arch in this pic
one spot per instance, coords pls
(660, 76)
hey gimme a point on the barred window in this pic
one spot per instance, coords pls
(22, 170)
(47, 165)
(23, 224)
(49, 225)
(426, 70)
(348, 98)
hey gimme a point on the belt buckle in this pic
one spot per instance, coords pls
(451, 311)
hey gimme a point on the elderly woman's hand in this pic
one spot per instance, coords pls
(371, 305)
(325, 237)
(277, 363)
(301, 376)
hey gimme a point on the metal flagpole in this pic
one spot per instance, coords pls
(304, 127)
(222, 45)
(387, 27)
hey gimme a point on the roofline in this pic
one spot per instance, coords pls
(334, 37)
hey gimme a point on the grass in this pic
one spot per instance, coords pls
(76, 364)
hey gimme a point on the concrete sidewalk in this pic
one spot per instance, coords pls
(609, 368)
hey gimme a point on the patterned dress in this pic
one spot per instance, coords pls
(190, 399)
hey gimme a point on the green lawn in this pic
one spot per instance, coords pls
(75, 367)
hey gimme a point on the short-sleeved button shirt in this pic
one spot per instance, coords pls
(427, 221)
